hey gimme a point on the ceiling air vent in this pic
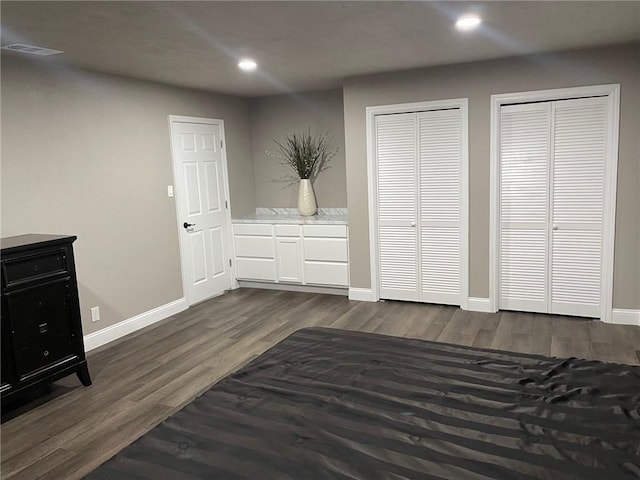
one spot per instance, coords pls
(30, 49)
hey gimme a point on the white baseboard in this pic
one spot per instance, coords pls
(361, 295)
(133, 324)
(621, 316)
(293, 288)
(479, 305)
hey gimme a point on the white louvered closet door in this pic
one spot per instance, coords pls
(577, 205)
(440, 154)
(525, 143)
(396, 138)
(552, 177)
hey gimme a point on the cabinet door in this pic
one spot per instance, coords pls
(289, 260)
(40, 320)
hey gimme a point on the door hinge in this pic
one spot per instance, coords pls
(230, 263)
(221, 144)
(226, 204)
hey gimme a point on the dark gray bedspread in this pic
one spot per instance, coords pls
(334, 404)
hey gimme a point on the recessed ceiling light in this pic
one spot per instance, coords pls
(247, 64)
(468, 22)
(31, 49)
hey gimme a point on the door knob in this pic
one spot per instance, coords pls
(187, 225)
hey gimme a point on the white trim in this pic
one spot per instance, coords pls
(293, 287)
(611, 91)
(362, 295)
(372, 188)
(479, 305)
(621, 316)
(227, 197)
(133, 324)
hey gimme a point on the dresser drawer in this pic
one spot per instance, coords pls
(43, 264)
(39, 312)
(46, 352)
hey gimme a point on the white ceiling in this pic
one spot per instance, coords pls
(301, 45)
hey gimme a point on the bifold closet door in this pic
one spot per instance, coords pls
(440, 159)
(396, 152)
(525, 146)
(419, 180)
(552, 177)
(580, 143)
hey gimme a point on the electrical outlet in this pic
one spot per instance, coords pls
(95, 314)
(169, 190)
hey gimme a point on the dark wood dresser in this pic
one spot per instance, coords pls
(41, 328)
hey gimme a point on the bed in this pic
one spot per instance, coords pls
(335, 404)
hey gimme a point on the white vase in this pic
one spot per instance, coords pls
(306, 198)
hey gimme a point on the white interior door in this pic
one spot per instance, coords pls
(552, 194)
(202, 203)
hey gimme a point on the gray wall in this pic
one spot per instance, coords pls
(478, 81)
(277, 116)
(89, 155)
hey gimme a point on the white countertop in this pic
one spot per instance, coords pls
(331, 216)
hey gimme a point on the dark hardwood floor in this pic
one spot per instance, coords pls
(140, 380)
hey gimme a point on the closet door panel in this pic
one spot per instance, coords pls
(439, 158)
(525, 143)
(577, 192)
(396, 137)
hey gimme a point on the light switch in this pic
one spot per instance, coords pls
(170, 190)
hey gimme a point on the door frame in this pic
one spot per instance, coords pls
(177, 189)
(372, 186)
(612, 92)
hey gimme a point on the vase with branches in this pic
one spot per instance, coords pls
(307, 155)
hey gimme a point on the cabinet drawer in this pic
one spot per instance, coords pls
(321, 273)
(260, 247)
(287, 230)
(45, 353)
(30, 267)
(325, 249)
(258, 229)
(336, 231)
(256, 269)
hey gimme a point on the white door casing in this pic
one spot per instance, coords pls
(417, 165)
(578, 215)
(201, 189)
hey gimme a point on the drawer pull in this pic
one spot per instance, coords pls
(46, 353)
(43, 327)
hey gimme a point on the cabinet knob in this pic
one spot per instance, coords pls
(46, 353)
(555, 227)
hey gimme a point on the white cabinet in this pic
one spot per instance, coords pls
(295, 254)
(255, 252)
(325, 255)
